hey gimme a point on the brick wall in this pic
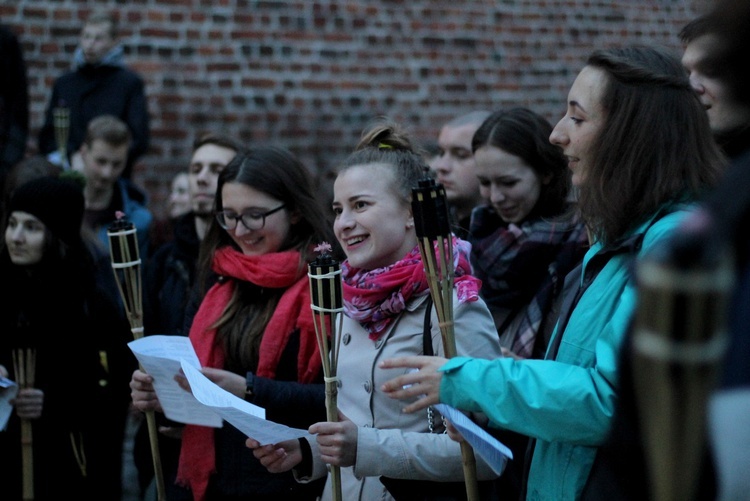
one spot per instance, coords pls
(310, 74)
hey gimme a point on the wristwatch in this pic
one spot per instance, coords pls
(249, 384)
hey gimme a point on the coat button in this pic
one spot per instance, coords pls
(347, 338)
(367, 386)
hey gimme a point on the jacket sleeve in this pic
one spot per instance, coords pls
(295, 404)
(572, 398)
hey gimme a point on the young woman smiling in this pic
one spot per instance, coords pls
(253, 331)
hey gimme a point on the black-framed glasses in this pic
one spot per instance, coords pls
(252, 220)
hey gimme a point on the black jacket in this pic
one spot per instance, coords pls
(92, 90)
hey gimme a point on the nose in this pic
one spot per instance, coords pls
(202, 175)
(240, 230)
(442, 164)
(557, 136)
(16, 234)
(343, 221)
(496, 195)
(696, 84)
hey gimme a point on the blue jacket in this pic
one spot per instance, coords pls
(566, 403)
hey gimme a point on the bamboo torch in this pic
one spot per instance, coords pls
(432, 225)
(678, 343)
(24, 364)
(61, 125)
(126, 265)
(324, 274)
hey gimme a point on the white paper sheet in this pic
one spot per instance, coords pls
(160, 356)
(8, 391)
(246, 417)
(488, 447)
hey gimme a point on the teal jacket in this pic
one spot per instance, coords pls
(566, 403)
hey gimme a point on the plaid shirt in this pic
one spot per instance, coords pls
(522, 268)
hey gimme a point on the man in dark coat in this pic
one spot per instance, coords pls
(98, 84)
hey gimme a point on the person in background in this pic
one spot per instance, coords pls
(387, 313)
(104, 154)
(57, 309)
(526, 239)
(179, 195)
(524, 242)
(98, 84)
(729, 118)
(454, 168)
(178, 203)
(431, 153)
(27, 169)
(253, 330)
(621, 471)
(729, 405)
(168, 279)
(641, 154)
(14, 102)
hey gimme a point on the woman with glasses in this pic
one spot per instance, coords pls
(253, 330)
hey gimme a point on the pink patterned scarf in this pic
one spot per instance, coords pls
(376, 297)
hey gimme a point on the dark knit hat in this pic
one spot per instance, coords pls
(57, 202)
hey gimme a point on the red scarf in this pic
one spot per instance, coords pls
(376, 297)
(274, 270)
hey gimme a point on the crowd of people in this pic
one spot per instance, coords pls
(549, 226)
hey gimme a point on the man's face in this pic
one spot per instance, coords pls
(203, 175)
(96, 41)
(455, 166)
(102, 164)
(724, 114)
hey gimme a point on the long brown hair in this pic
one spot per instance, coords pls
(655, 146)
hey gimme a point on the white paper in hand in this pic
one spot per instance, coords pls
(160, 356)
(246, 417)
(488, 447)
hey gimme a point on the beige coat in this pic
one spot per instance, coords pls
(391, 442)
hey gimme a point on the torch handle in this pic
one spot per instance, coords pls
(332, 416)
(27, 453)
(154, 439)
(153, 436)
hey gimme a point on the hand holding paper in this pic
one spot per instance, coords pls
(246, 417)
(484, 444)
(160, 357)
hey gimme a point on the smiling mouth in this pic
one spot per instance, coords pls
(354, 241)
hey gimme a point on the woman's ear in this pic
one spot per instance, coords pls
(295, 217)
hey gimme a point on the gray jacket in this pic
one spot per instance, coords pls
(389, 441)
